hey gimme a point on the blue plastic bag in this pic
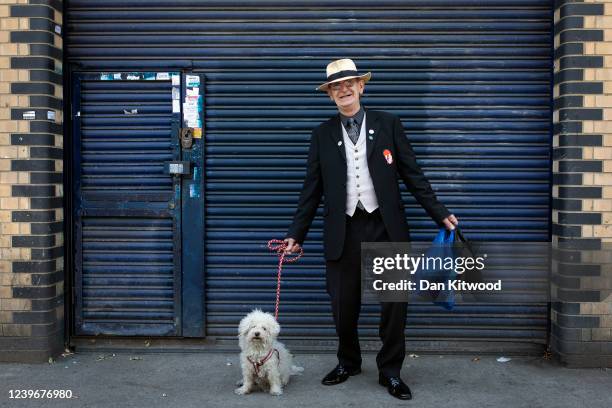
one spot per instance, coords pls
(443, 247)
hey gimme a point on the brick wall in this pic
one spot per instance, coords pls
(582, 183)
(31, 214)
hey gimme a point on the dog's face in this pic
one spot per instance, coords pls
(258, 329)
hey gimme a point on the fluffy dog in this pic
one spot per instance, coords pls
(265, 362)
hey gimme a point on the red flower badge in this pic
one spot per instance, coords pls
(388, 156)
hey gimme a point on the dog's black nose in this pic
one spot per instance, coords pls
(256, 334)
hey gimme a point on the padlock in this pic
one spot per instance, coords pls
(186, 137)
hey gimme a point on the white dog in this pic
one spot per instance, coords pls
(265, 362)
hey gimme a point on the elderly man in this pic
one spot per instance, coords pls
(354, 161)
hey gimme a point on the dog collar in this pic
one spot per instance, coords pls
(257, 364)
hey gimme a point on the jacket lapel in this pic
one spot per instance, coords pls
(336, 134)
(371, 131)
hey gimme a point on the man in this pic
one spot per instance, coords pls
(354, 161)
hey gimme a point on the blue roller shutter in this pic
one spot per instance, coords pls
(471, 80)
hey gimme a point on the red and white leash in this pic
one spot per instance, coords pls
(279, 247)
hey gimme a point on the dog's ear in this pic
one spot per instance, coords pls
(243, 327)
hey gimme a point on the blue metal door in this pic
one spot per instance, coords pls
(126, 208)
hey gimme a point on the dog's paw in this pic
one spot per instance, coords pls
(239, 383)
(241, 391)
(276, 391)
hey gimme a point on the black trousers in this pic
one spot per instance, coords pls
(344, 287)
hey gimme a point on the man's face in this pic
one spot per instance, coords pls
(346, 93)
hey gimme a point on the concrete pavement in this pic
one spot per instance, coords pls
(104, 379)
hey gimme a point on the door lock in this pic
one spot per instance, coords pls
(186, 138)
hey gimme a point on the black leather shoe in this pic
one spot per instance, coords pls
(339, 375)
(395, 386)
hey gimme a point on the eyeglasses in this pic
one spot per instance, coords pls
(336, 86)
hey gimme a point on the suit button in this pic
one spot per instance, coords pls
(357, 168)
(357, 185)
(357, 176)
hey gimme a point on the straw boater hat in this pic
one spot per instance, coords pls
(340, 70)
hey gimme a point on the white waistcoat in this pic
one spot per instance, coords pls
(359, 186)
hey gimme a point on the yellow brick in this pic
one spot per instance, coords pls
(24, 23)
(5, 165)
(24, 177)
(606, 218)
(601, 334)
(17, 304)
(587, 126)
(8, 152)
(21, 279)
(590, 48)
(604, 127)
(607, 166)
(8, 49)
(5, 216)
(25, 228)
(603, 48)
(607, 192)
(601, 308)
(601, 101)
(587, 179)
(10, 126)
(24, 49)
(5, 267)
(600, 231)
(6, 317)
(23, 152)
(598, 205)
(9, 203)
(5, 292)
(25, 254)
(5, 244)
(24, 76)
(5, 139)
(5, 62)
(602, 153)
(8, 177)
(10, 228)
(24, 203)
(587, 152)
(17, 330)
(603, 179)
(9, 24)
(603, 74)
(587, 231)
(9, 253)
(5, 190)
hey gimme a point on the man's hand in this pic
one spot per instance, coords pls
(292, 246)
(450, 222)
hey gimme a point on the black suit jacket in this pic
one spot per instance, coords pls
(326, 176)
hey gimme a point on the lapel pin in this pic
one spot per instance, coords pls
(340, 143)
(388, 156)
(370, 137)
(371, 131)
